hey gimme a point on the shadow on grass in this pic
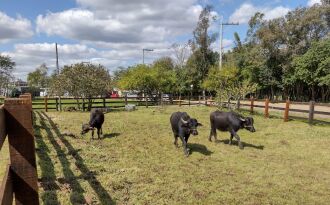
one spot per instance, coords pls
(234, 142)
(76, 196)
(89, 175)
(199, 148)
(111, 135)
(48, 178)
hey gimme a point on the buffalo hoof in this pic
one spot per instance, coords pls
(210, 139)
(230, 143)
(187, 152)
(240, 145)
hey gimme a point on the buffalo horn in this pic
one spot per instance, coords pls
(185, 122)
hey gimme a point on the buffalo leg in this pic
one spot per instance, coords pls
(186, 139)
(176, 141)
(213, 133)
(98, 133)
(92, 134)
(238, 139)
(184, 145)
(231, 138)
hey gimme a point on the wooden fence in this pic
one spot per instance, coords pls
(120, 102)
(311, 111)
(20, 180)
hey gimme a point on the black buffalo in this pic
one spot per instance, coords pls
(231, 122)
(96, 121)
(183, 126)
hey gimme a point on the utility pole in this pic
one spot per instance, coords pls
(221, 37)
(57, 66)
(58, 72)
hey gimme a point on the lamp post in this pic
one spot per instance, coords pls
(145, 49)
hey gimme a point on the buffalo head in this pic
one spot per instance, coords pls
(191, 124)
(248, 123)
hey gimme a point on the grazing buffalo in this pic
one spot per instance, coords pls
(231, 122)
(183, 126)
(96, 121)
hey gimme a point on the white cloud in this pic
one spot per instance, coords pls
(122, 21)
(247, 10)
(30, 56)
(12, 28)
(312, 2)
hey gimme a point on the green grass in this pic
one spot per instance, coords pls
(137, 163)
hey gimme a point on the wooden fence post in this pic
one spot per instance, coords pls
(199, 100)
(189, 99)
(146, 98)
(266, 108)
(286, 111)
(60, 103)
(104, 102)
(22, 150)
(252, 105)
(46, 103)
(56, 104)
(126, 99)
(180, 101)
(238, 104)
(161, 99)
(311, 112)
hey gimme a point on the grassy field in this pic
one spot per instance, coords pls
(137, 163)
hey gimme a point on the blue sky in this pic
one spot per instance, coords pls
(113, 32)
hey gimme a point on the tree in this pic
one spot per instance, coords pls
(6, 68)
(82, 81)
(202, 57)
(181, 53)
(313, 68)
(141, 78)
(227, 85)
(39, 78)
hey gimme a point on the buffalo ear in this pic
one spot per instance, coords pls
(199, 124)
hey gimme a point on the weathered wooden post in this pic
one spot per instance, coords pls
(311, 112)
(199, 100)
(161, 99)
(126, 99)
(266, 108)
(60, 103)
(189, 99)
(22, 150)
(146, 98)
(252, 104)
(104, 102)
(46, 104)
(286, 111)
(180, 101)
(56, 104)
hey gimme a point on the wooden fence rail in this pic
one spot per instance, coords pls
(20, 180)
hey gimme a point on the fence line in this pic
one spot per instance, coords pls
(20, 180)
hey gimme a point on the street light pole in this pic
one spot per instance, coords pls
(221, 37)
(145, 49)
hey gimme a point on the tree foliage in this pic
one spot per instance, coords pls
(82, 81)
(39, 78)
(6, 68)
